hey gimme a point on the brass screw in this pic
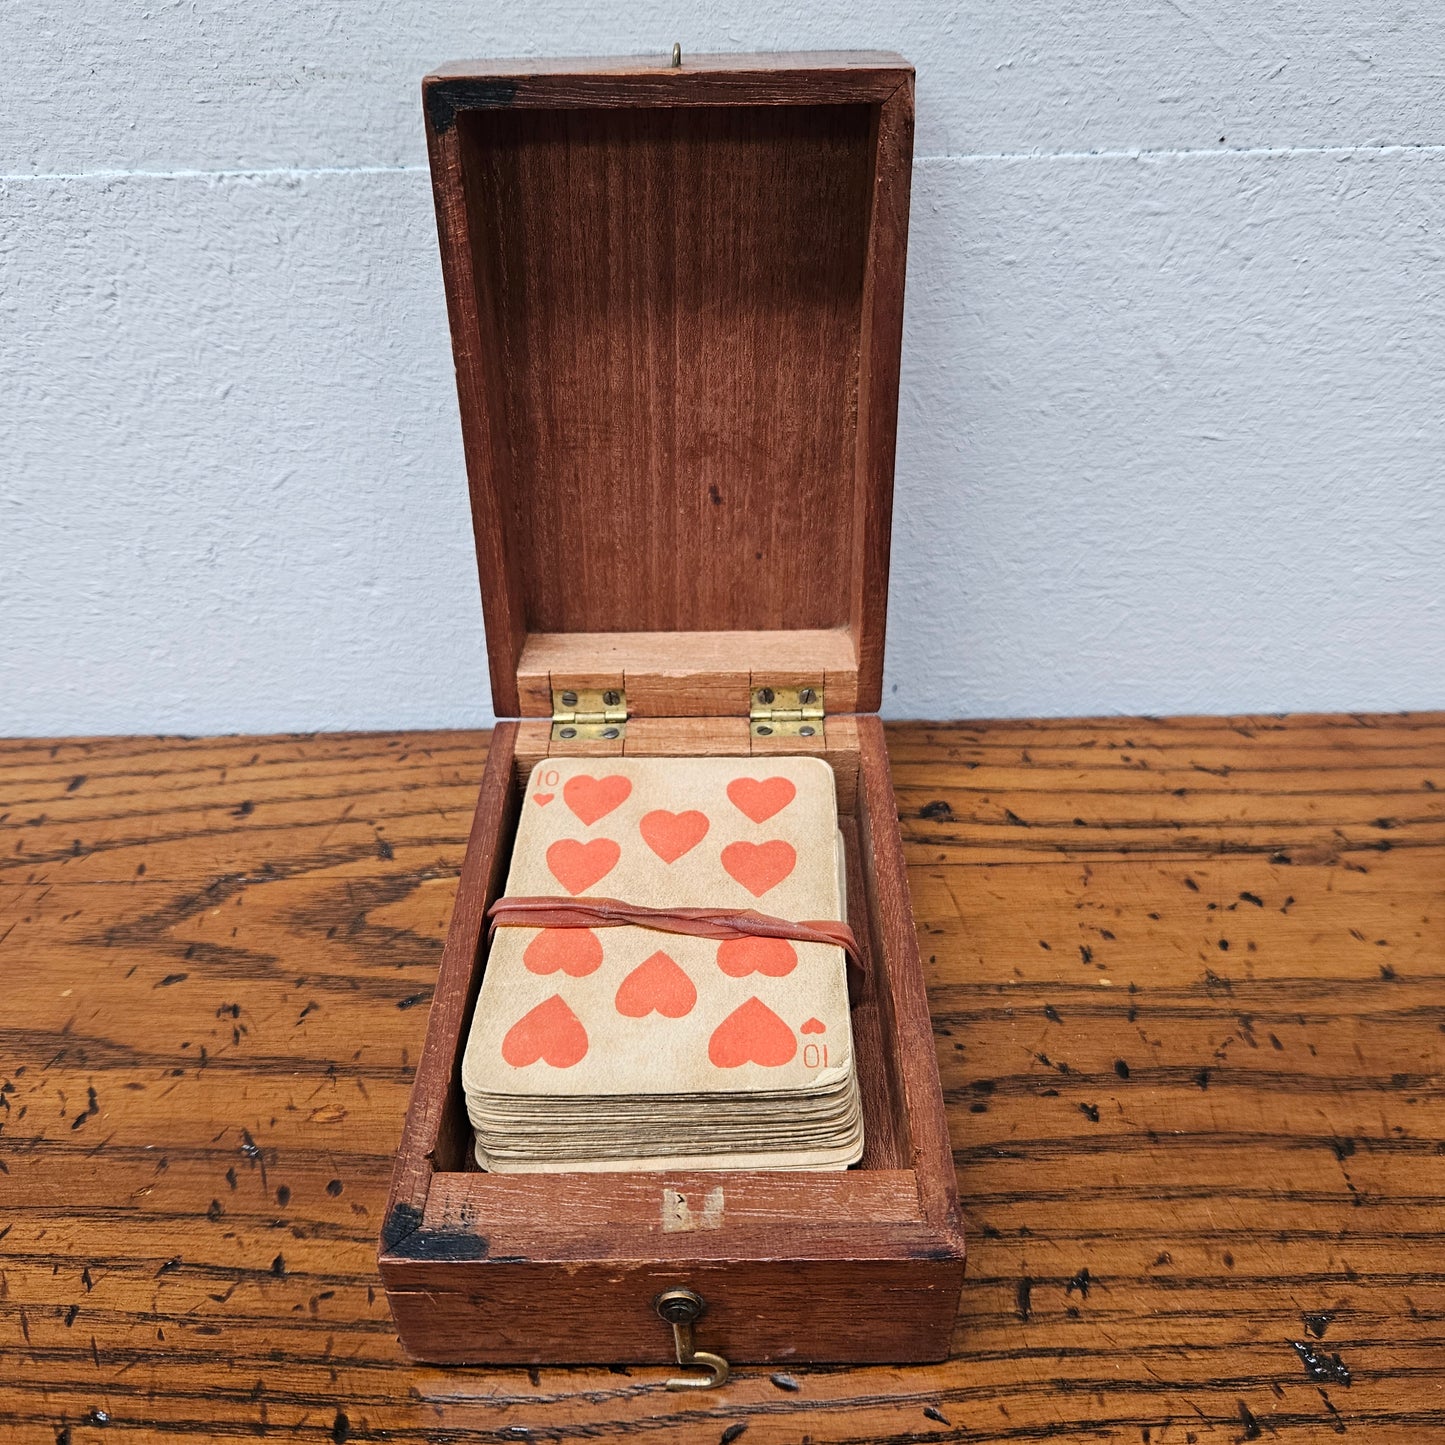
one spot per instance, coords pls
(679, 1306)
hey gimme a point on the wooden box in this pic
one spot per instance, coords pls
(676, 301)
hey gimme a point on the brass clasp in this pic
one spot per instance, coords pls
(680, 1308)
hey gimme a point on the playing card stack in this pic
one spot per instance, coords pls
(627, 1048)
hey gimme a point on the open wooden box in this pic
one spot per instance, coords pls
(676, 303)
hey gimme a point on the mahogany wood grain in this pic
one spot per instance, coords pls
(676, 301)
(689, 674)
(1187, 997)
(880, 357)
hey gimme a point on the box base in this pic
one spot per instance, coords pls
(862, 1265)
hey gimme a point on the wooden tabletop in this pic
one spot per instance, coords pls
(1189, 999)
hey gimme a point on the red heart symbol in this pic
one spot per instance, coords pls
(576, 951)
(759, 866)
(542, 799)
(550, 1032)
(577, 866)
(656, 983)
(739, 957)
(594, 798)
(813, 1026)
(760, 798)
(670, 835)
(752, 1034)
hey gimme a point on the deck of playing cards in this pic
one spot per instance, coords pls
(627, 1048)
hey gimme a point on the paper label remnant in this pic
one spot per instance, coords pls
(678, 1216)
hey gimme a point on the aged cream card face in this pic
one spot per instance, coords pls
(593, 1047)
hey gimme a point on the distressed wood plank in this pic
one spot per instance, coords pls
(192, 1251)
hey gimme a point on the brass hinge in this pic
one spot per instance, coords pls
(786, 712)
(588, 712)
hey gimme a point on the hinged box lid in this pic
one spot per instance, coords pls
(676, 299)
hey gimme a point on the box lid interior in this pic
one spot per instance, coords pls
(676, 308)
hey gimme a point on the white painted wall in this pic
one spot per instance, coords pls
(1173, 398)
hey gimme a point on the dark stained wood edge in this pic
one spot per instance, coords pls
(764, 63)
(892, 910)
(879, 359)
(480, 877)
(840, 78)
(502, 608)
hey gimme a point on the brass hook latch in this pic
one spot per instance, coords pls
(680, 1308)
